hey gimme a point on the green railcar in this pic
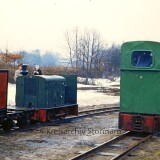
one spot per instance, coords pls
(140, 86)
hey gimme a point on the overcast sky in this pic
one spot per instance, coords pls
(41, 24)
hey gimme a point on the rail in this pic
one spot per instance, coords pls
(107, 145)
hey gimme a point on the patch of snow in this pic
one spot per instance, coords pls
(11, 94)
(89, 98)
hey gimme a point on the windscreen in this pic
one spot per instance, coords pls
(142, 59)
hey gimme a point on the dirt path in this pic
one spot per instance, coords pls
(58, 142)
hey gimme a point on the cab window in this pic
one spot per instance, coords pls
(142, 59)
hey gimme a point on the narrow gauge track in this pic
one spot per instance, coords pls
(82, 114)
(116, 148)
(100, 110)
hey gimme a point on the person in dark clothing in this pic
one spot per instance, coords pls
(37, 71)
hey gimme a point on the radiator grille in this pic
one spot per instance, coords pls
(137, 124)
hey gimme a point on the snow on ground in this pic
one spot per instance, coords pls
(84, 97)
(92, 97)
(98, 82)
(11, 94)
(89, 98)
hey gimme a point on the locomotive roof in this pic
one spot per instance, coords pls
(140, 84)
(129, 47)
(51, 77)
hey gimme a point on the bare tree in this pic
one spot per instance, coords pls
(111, 59)
(72, 41)
(84, 50)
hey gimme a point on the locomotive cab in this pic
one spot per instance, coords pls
(140, 86)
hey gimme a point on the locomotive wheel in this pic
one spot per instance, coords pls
(62, 113)
(21, 121)
(7, 124)
(33, 122)
(50, 116)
